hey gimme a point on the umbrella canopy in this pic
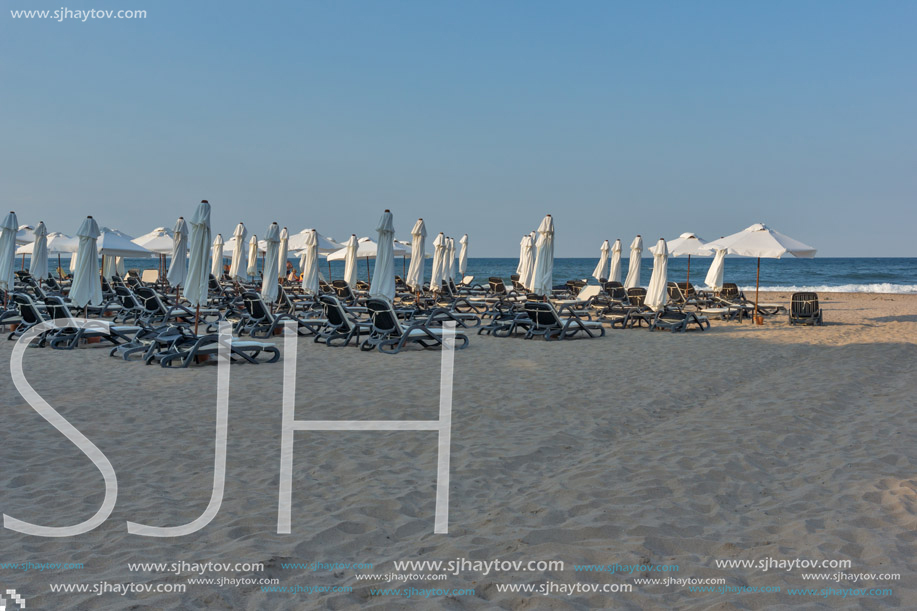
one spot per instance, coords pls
(366, 249)
(601, 269)
(216, 258)
(310, 263)
(463, 256)
(8, 229)
(614, 268)
(414, 277)
(252, 269)
(528, 261)
(350, 260)
(282, 254)
(325, 245)
(688, 244)
(543, 276)
(758, 241)
(159, 241)
(656, 292)
(235, 265)
(114, 243)
(178, 268)
(86, 287)
(383, 284)
(25, 234)
(439, 259)
(57, 243)
(714, 279)
(198, 279)
(38, 266)
(270, 288)
(633, 268)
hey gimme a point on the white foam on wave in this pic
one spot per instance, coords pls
(884, 287)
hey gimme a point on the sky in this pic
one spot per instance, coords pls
(617, 118)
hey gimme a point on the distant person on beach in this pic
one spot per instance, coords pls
(292, 274)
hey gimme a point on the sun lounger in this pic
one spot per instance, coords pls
(545, 321)
(209, 345)
(69, 336)
(804, 309)
(390, 336)
(669, 319)
(339, 323)
(259, 321)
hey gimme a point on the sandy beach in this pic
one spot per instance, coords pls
(739, 443)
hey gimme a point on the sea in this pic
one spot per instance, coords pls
(821, 274)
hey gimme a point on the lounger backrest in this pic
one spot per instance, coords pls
(467, 280)
(57, 309)
(52, 284)
(674, 292)
(383, 316)
(729, 290)
(804, 305)
(342, 289)
(334, 311)
(149, 299)
(127, 298)
(28, 311)
(542, 314)
(496, 285)
(255, 306)
(687, 289)
(636, 295)
(149, 276)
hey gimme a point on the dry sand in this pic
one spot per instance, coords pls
(740, 442)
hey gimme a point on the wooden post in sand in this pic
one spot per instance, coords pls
(757, 282)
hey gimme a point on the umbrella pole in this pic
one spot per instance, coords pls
(368, 279)
(329, 271)
(60, 269)
(23, 261)
(757, 281)
(688, 279)
(197, 317)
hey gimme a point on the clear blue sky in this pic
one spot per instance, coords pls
(618, 118)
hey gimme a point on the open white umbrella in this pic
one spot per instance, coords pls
(714, 279)
(439, 260)
(216, 257)
(56, 243)
(270, 288)
(178, 267)
(252, 269)
(463, 256)
(692, 246)
(38, 265)
(159, 241)
(656, 292)
(758, 241)
(197, 282)
(350, 260)
(310, 282)
(383, 283)
(324, 245)
(601, 269)
(86, 288)
(614, 268)
(282, 253)
(8, 229)
(414, 277)
(25, 234)
(113, 245)
(235, 264)
(528, 261)
(367, 249)
(543, 276)
(633, 268)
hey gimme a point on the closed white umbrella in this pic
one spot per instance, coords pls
(310, 282)
(656, 292)
(8, 230)
(714, 279)
(543, 276)
(74, 259)
(449, 266)
(528, 261)
(197, 281)
(252, 269)
(282, 253)
(463, 256)
(216, 257)
(235, 264)
(270, 288)
(178, 268)
(383, 283)
(521, 265)
(414, 277)
(614, 268)
(38, 265)
(86, 288)
(601, 269)
(350, 261)
(439, 259)
(633, 268)
(758, 241)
